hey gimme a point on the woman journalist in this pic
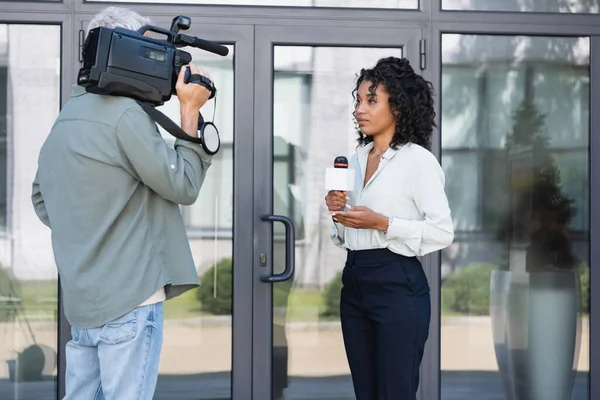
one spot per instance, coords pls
(397, 211)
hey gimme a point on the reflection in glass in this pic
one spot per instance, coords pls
(29, 86)
(394, 4)
(312, 125)
(196, 358)
(550, 6)
(515, 282)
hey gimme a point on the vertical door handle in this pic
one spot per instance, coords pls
(290, 257)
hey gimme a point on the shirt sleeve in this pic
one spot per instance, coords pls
(435, 231)
(337, 234)
(38, 202)
(174, 174)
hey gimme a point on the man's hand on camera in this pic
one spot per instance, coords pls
(192, 95)
(191, 98)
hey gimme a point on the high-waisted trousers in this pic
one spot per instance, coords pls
(385, 313)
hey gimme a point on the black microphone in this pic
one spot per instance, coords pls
(340, 162)
(210, 46)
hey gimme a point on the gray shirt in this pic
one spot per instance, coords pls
(109, 188)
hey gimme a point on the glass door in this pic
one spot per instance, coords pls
(303, 103)
(198, 361)
(517, 152)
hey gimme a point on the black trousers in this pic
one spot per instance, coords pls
(385, 312)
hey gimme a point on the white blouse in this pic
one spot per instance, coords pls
(408, 186)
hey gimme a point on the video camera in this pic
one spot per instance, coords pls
(122, 62)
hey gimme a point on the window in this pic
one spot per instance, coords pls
(395, 4)
(548, 6)
(212, 213)
(3, 131)
(29, 104)
(515, 150)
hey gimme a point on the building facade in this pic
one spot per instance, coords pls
(517, 100)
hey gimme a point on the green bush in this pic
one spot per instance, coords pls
(467, 291)
(331, 296)
(9, 287)
(281, 292)
(221, 303)
(585, 290)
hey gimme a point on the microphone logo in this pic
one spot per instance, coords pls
(340, 162)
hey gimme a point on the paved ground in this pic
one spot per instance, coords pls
(477, 387)
(197, 351)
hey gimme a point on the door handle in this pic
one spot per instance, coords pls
(290, 257)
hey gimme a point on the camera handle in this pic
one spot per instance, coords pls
(188, 77)
(205, 129)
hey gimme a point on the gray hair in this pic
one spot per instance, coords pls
(112, 17)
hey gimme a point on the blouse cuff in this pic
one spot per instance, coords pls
(337, 233)
(406, 231)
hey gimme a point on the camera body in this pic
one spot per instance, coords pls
(123, 62)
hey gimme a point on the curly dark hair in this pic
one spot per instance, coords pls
(410, 97)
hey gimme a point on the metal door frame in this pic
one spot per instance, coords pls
(594, 213)
(65, 21)
(431, 19)
(266, 38)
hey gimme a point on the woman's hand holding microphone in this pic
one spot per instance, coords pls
(336, 201)
(358, 217)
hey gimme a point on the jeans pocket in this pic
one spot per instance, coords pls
(75, 334)
(121, 329)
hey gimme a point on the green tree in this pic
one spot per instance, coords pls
(539, 210)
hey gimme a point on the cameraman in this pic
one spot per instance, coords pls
(109, 188)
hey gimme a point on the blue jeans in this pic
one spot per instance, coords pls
(118, 360)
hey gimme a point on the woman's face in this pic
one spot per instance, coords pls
(372, 112)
